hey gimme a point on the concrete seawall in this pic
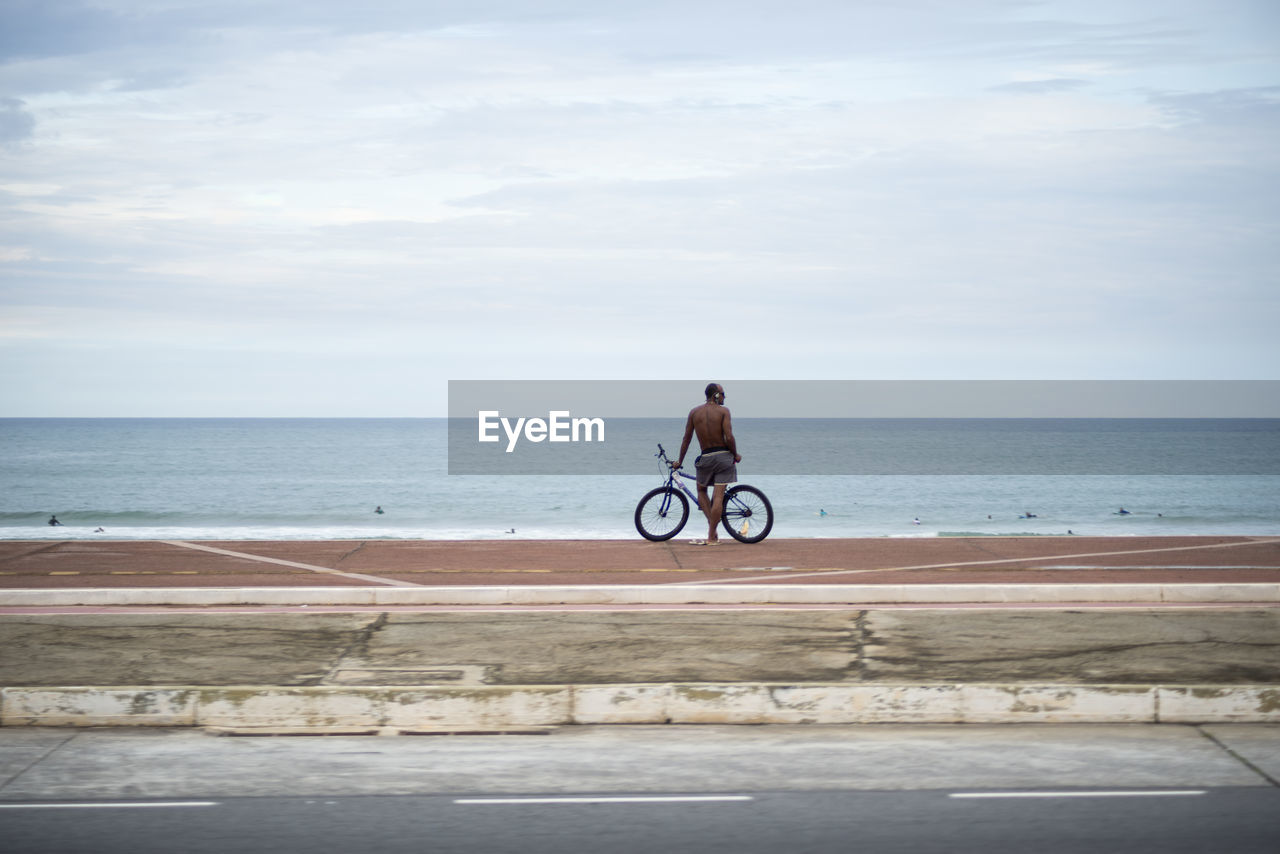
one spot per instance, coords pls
(854, 646)
(468, 670)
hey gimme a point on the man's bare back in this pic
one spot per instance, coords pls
(711, 423)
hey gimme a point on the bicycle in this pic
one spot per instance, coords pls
(662, 513)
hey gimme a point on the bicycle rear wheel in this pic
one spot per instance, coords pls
(748, 515)
(662, 513)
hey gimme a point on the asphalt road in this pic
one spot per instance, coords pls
(1238, 820)
(669, 789)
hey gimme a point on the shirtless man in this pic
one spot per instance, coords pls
(717, 464)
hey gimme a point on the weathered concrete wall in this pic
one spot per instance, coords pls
(1050, 646)
(190, 649)
(1176, 647)
(437, 708)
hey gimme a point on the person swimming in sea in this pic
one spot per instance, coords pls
(53, 521)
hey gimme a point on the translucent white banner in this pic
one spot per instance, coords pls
(874, 427)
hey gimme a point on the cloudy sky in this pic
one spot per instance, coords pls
(329, 208)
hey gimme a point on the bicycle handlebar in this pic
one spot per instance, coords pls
(662, 454)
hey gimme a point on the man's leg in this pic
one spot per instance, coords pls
(704, 501)
(716, 511)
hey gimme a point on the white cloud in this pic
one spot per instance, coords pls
(924, 189)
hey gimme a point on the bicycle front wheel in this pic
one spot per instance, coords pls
(662, 513)
(748, 515)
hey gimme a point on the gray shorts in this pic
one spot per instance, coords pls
(716, 467)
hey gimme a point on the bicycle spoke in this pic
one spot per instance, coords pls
(661, 514)
(748, 516)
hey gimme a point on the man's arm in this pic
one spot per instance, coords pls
(688, 435)
(729, 441)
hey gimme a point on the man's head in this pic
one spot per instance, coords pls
(715, 392)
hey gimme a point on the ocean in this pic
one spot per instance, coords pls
(233, 479)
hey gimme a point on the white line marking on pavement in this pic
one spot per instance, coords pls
(1168, 566)
(1132, 794)
(375, 579)
(100, 806)
(955, 564)
(647, 799)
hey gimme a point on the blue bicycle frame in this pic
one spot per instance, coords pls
(663, 512)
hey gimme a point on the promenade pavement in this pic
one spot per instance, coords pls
(432, 563)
